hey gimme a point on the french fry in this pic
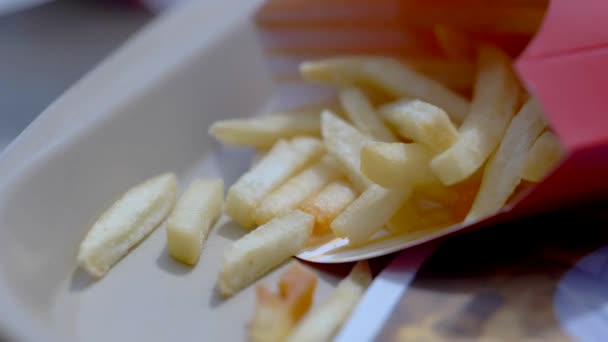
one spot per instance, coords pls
(502, 172)
(493, 106)
(194, 214)
(389, 75)
(361, 113)
(328, 203)
(305, 184)
(368, 214)
(542, 157)
(271, 319)
(126, 223)
(397, 165)
(276, 314)
(264, 131)
(285, 159)
(344, 142)
(324, 321)
(263, 249)
(455, 44)
(421, 122)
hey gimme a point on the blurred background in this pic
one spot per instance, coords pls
(45, 46)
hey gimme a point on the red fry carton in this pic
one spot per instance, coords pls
(557, 48)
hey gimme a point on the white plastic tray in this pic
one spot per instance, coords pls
(144, 111)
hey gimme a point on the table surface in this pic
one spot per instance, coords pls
(47, 48)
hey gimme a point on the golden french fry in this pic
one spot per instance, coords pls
(397, 165)
(126, 223)
(368, 213)
(276, 314)
(494, 100)
(542, 157)
(271, 319)
(297, 189)
(502, 172)
(388, 74)
(328, 203)
(360, 111)
(263, 249)
(284, 160)
(194, 214)
(455, 44)
(344, 142)
(264, 131)
(324, 321)
(421, 122)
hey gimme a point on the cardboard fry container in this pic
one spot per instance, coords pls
(558, 54)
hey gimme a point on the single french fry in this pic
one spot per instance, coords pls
(361, 113)
(263, 249)
(502, 172)
(344, 142)
(397, 165)
(303, 185)
(328, 203)
(285, 159)
(368, 213)
(264, 131)
(494, 100)
(271, 320)
(388, 74)
(194, 214)
(455, 44)
(324, 320)
(542, 157)
(126, 223)
(276, 314)
(421, 122)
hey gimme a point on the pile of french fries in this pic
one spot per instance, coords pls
(420, 157)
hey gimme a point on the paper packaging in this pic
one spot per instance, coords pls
(564, 65)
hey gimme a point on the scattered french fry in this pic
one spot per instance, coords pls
(276, 314)
(126, 223)
(360, 111)
(324, 321)
(263, 249)
(284, 160)
(271, 319)
(494, 100)
(542, 157)
(196, 211)
(368, 213)
(397, 165)
(303, 185)
(264, 131)
(344, 142)
(422, 122)
(328, 203)
(502, 172)
(388, 74)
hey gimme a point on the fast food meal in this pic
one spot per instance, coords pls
(423, 156)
